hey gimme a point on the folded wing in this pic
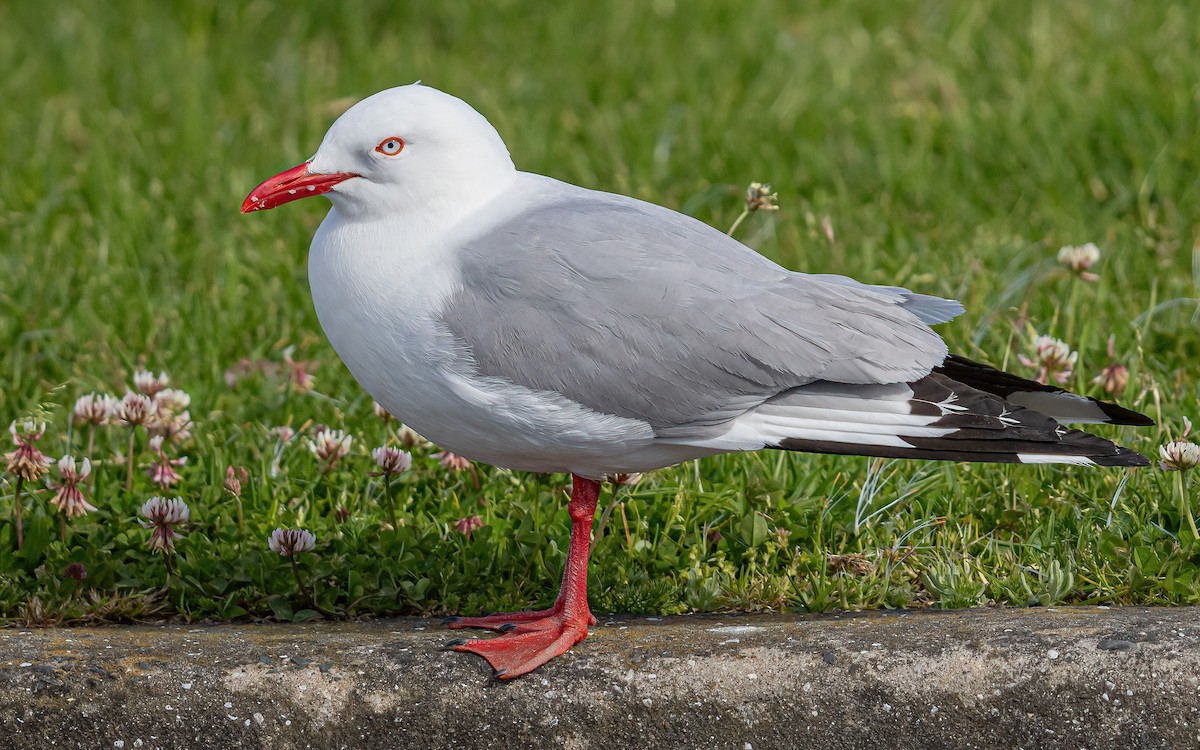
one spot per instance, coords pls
(634, 310)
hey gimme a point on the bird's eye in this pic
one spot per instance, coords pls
(390, 146)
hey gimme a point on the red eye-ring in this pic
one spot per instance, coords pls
(390, 146)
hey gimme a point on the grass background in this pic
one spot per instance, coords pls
(951, 147)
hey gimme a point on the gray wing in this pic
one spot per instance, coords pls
(632, 309)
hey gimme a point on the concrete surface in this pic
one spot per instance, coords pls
(1037, 678)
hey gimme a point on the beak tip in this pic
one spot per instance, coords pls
(291, 185)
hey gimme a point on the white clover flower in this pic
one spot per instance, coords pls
(145, 382)
(162, 516)
(391, 460)
(452, 461)
(624, 479)
(68, 497)
(381, 412)
(94, 408)
(1115, 375)
(161, 510)
(26, 461)
(298, 374)
(172, 400)
(162, 469)
(67, 467)
(178, 428)
(1053, 358)
(1179, 455)
(330, 446)
(291, 542)
(409, 438)
(1079, 259)
(1054, 353)
(135, 409)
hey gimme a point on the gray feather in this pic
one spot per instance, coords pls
(631, 309)
(930, 310)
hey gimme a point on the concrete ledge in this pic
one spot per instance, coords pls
(1037, 678)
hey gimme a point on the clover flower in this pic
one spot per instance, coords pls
(409, 438)
(391, 461)
(172, 400)
(148, 384)
(381, 412)
(467, 525)
(26, 461)
(330, 446)
(1113, 378)
(27, 464)
(234, 476)
(162, 468)
(1079, 259)
(760, 198)
(452, 461)
(177, 429)
(1053, 358)
(162, 516)
(135, 409)
(1115, 375)
(94, 409)
(291, 542)
(171, 417)
(68, 497)
(624, 479)
(168, 411)
(298, 375)
(1179, 455)
(75, 570)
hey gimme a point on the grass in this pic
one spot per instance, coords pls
(949, 147)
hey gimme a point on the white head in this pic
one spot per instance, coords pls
(407, 149)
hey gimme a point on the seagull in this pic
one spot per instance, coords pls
(538, 326)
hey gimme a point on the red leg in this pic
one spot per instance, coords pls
(533, 638)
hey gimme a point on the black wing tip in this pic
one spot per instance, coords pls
(1123, 457)
(1120, 415)
(1004, 384)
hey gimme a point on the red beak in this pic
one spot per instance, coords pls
(292, 185)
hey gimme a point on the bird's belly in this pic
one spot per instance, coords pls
(499, 423)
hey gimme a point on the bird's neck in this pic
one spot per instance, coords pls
(439, 204)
